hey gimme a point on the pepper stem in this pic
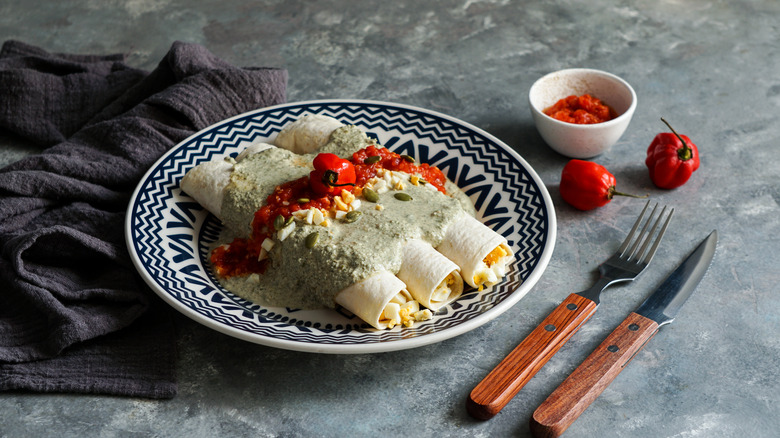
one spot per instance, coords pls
(613, 192)
(685, 153)
(330, 178)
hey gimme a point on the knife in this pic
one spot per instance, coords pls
(599, 369)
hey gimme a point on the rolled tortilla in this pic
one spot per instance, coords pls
(432, 279)
(376, 300)
(206, 182)
(481, 253)
(307, 134)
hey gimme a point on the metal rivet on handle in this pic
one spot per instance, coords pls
(613, 348)
(633, 327)
(549, 328)
(571, 306)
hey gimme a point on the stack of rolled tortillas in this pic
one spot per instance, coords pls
(432, 277)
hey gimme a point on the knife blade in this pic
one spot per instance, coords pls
(601, 367)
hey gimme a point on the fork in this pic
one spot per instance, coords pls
(517, 368)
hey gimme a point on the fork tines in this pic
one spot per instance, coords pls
(645, 252)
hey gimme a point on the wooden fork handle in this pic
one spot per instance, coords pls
(517, 368)
(592, 377)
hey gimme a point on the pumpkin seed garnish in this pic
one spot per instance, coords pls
(408, 158)
(370, 195)
(288, 221)
(352, 216)
(372, 159)
(401, 196)
(279, 222)
(311, 240)
(303, 200)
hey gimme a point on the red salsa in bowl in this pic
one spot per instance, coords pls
(581, 110)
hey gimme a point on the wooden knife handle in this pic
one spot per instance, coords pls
(509, 376)
(592, 377)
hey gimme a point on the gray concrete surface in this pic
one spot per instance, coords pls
(709, 66)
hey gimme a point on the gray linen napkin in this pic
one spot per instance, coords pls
(74, 315)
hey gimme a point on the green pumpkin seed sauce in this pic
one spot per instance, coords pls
(256, 176)
(309, 276)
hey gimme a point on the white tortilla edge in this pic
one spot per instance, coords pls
(467, 242)
(307, 134)
(369, 298)
(432, 279)
(207, 181)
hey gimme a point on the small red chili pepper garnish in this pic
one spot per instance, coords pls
(587, 185)
(671, 159)
(331, 175)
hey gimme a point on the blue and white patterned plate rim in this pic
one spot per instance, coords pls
(165, 229)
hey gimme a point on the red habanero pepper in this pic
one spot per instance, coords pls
(331, 175)
(587, 185)
(671, 159)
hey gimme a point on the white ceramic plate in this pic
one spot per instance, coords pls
(168, 233)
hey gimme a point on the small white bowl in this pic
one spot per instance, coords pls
(581, 141)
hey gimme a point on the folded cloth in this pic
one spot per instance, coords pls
(74, 314)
